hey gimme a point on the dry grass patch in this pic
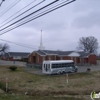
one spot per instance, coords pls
(79, 83)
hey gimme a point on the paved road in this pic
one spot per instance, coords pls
(80, 68)
(84, 68)
(2, 62)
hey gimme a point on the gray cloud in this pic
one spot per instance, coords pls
(86, 5)
(61, 28)
(87, 21)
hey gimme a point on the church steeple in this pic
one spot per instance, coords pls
(41, 47)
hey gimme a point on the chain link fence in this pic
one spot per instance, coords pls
(33, 68)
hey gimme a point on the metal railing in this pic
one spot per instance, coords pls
(36, 66)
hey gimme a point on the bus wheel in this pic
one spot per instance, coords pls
(59, 72)
(63, 72)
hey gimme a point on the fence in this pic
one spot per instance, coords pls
(83, 64)
(32, 67)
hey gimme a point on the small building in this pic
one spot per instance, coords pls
(37, 57)
(16, 56)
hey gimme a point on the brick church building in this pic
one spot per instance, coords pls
(37, 57)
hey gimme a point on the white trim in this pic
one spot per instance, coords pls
(29, 54)
(61, 55)
(51, 54)
(43, 58)
(58, 61)
(43, 52)
(38, 59)
(39, 54)
(71, 54)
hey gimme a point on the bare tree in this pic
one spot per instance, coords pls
(4, 48)
(88, 44)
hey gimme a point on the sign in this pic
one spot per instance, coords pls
(94, 95)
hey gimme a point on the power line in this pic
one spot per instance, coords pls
(18, 11)
(29, 14)
(2, 2)
(8, 8)
(50, 10)
(23, 13)
(23, 44)
(18, 44)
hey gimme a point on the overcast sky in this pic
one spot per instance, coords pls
(61, 29)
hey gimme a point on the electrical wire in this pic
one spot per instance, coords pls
(18, 44)
(23, 44)
(11, 6)
(30, 14)
(22, 13)
(18, 12)
(2, 2)
(39, 16)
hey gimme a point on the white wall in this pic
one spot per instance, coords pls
(74, 54)
(16, 57)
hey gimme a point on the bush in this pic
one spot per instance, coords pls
(13, 68)
(88, 70)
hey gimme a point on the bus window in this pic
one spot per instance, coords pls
(68, 65)
(49, 67)
(58, 65)
(63, 65)
(53, 65)
(44, 66)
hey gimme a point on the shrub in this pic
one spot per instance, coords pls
(88, 70)
(13, 68)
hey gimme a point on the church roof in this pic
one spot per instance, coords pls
(60, 53)
(41, 53)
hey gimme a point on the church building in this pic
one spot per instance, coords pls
(37, 57)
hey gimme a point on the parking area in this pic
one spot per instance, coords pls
(17, 63)
(80, 69)
(39, 72)
(84, 68)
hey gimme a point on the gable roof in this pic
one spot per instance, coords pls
(22, 54)
(84, 54)
(40, 53)
(61, 53)
(51, 52)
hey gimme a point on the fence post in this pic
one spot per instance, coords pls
(6, 84)
(67, 78)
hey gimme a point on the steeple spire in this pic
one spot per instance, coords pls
(41, 47)
(41, 39)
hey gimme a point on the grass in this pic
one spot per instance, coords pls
(24, 97)
(54, 85)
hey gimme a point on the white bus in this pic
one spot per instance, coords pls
(58, 66)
